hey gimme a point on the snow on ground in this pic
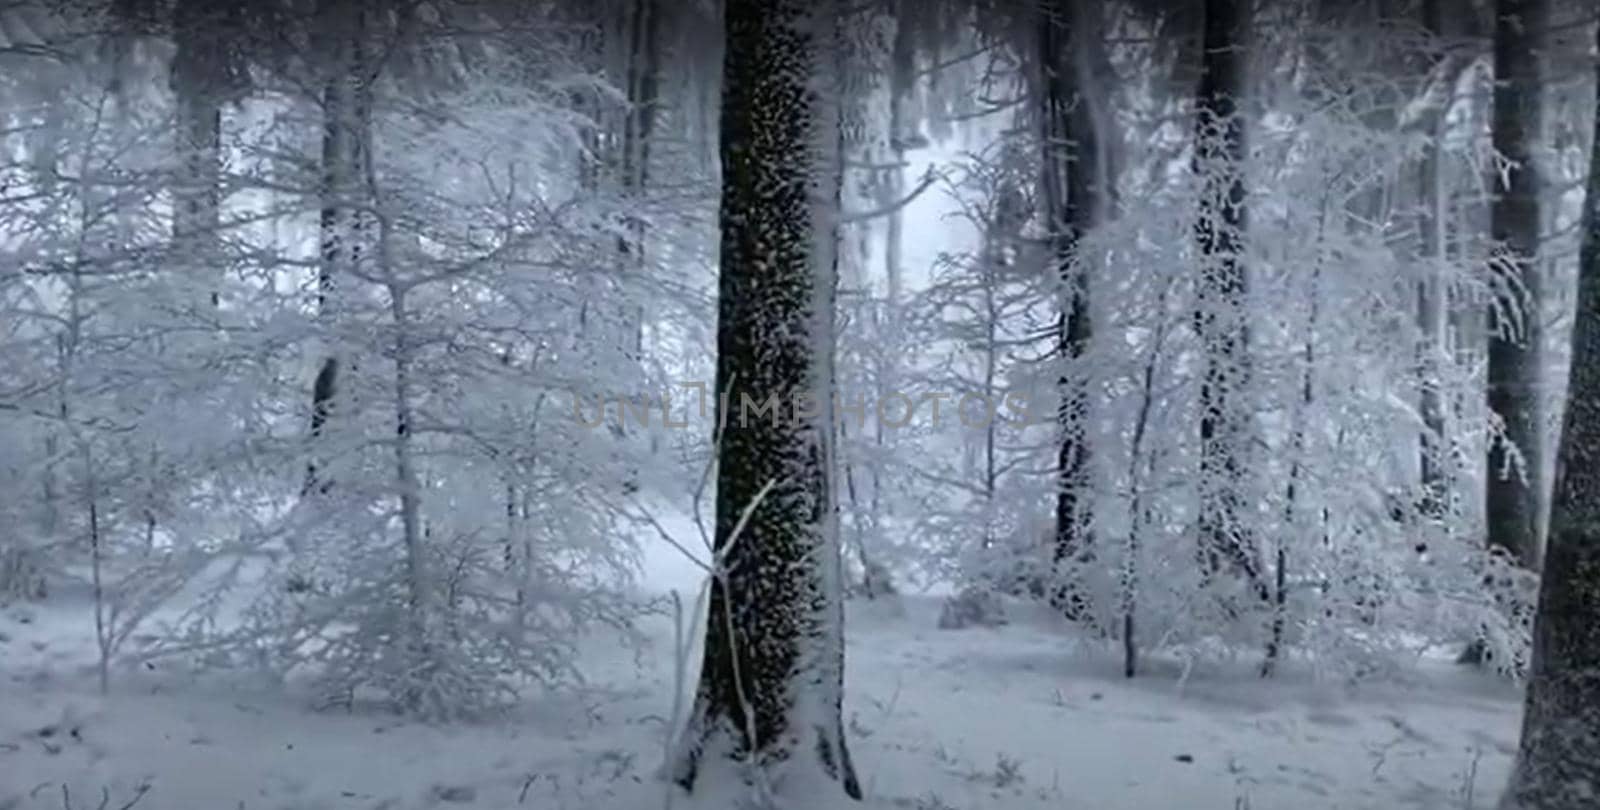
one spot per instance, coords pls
(1004, 719)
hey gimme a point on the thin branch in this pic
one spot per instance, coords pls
(928, 179)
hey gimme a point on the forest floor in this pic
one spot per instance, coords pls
(979, 719)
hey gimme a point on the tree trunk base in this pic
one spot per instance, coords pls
(1558, 760)
(710, 761)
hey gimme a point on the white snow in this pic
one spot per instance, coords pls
(1024, 716)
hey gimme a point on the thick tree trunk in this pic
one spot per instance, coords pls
(1558, 761)
(345, 229)
(1068, 159)
(1511, 499)
(772, 675)
(1224, 333)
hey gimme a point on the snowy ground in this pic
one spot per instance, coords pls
(1017, 717)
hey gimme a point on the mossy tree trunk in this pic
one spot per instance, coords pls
(768, 702)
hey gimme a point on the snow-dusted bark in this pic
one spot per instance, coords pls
(641, 24)
(345, 229)
(1511, 499)
(409, 484)
(904, 134)
(1558, 762)
(643, 74)
(1225, 540)
(1432, 293)
(771, 679)
(1069, 163)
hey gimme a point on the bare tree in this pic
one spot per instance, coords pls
(1432, 295)
(1069, 150)
(346, 230)
(1224, 333)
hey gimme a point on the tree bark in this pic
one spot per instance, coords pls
(1433, 446)
(1558, 760)
(772, 675)
(344, 227)
(644, 80)
(1222, 286)
(903, 135)
(201, 79)
(419, 585)
(1511, 500)
(1068, 159)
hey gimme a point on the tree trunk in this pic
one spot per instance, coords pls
(903, 134)
(643, 72)
(1138, 507)
(998, 234)
(346, 141)
(200, 78)
(1224, 333)
(772, 675)
(419, 586)
(1511, 499)
(1069, 152)
(1292, 508)
(1433, 452)
(1558, 761)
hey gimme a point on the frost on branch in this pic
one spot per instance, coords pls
(1363, 563)
(465, 527)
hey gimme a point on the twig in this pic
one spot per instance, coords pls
(105, 796)
(716, 453)
(137, 795)
(667, 536)
(928, 178)
(1471, 777)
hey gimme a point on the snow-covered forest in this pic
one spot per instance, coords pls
(801, 404)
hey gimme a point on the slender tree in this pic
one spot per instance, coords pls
(643, 23)
(1511, 501)
(1069, 149)
(345, 227)
(1224, 334)
(1431, 291)
(207, 73)
(771, 679)
(1558, 760)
